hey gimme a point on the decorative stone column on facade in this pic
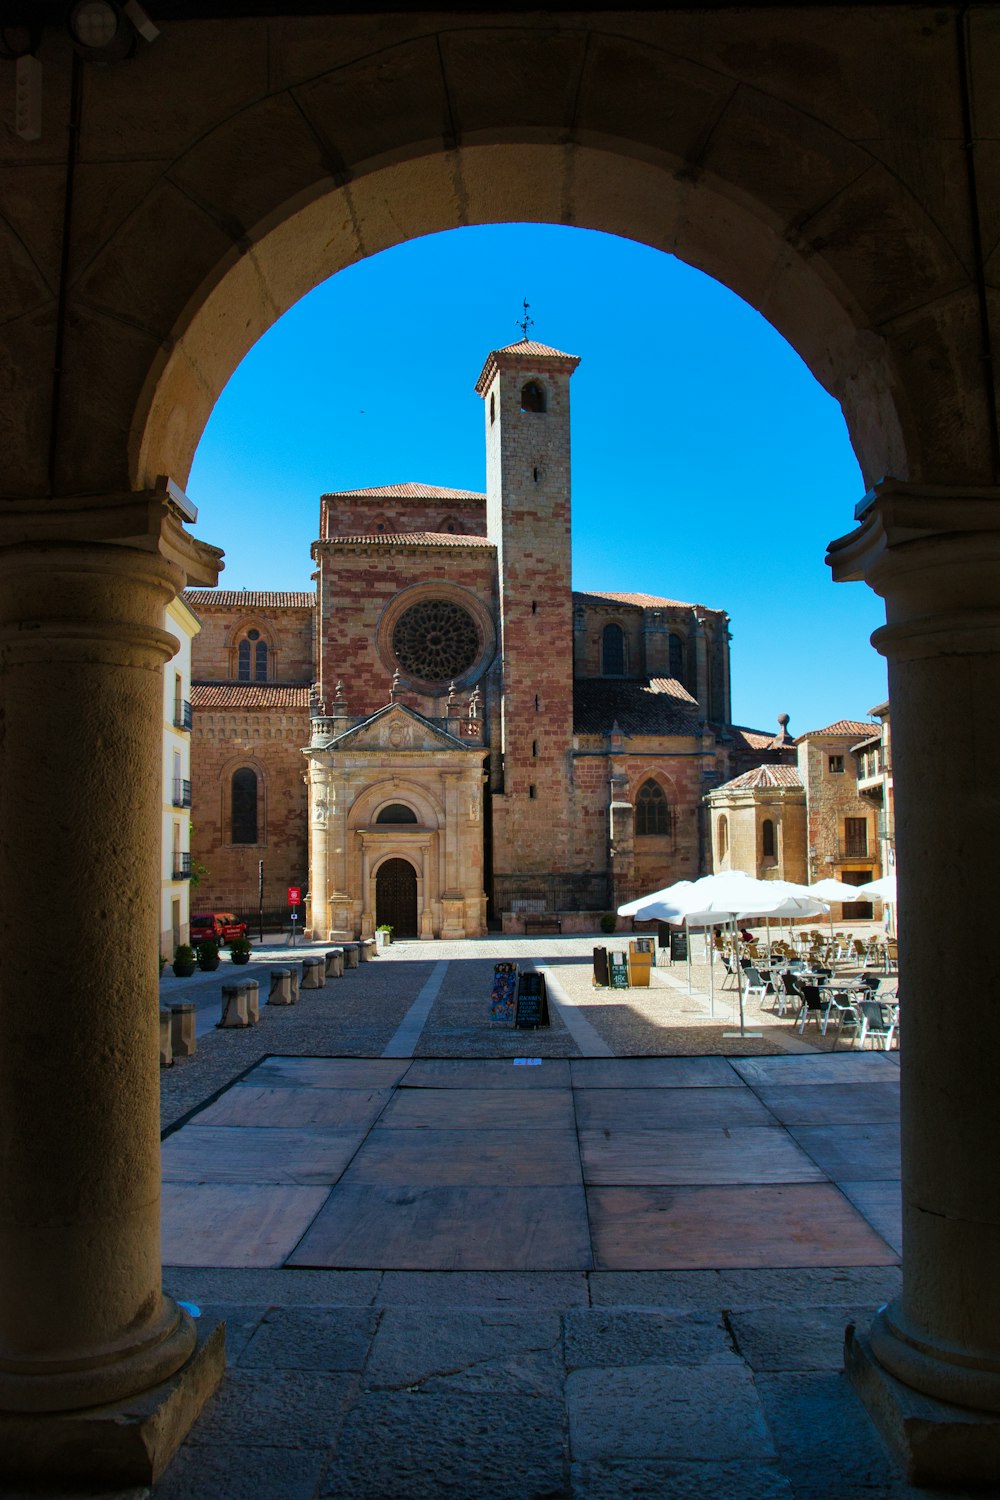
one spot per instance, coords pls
(367, 894)
(934, 556)
(83, 1318)
(423, 893)
(319, 822)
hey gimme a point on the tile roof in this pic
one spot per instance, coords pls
(248, 599)
(763, 776)
(524, 349)
(852, 727)
(237, 695)
(641, 601)
(411, 490)
(409, 539)
(638, 708)
(757, 739)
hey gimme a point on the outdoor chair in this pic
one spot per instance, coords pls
(879, 1021)
(755, 985)
(813, 1005)
(785, 992)
(839, 1007)
(730, 964)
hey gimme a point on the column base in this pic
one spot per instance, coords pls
(938, 1446)
(127, 1443)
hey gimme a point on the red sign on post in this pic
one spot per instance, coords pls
(294, 895)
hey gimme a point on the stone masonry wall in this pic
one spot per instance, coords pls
(287, 631)
(270, 743)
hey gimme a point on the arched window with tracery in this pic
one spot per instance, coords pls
(243, 793)
(652, 810)
(251, 657)
(723, 836)
(532, 396)
(613, 652)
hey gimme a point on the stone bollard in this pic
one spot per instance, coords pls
(183, 1040)
(313, 973)
(166, 1048)
(280, 992)
(335, 963)
(234, 1006)
(295, 975)
(350, 955)
(253, 1000)
(367, 947)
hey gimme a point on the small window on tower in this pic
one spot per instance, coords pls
(493, 408)
(532, 396)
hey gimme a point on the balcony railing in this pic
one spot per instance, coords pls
(182, 793)
(854, 849)
(183, 717)
(182, 867)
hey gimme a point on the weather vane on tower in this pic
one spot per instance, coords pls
(525, 323)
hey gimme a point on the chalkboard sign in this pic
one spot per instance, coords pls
(678, 943)
(503, 996)
(618, 967)
(532, 1006)
(601, 966)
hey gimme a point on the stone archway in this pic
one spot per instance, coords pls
(396, 897)
(763, 146)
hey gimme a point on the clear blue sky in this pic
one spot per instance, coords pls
(708, 464)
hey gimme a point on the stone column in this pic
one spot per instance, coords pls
(319, 807)
(83, 1318)
(934, 556)
(426, 917)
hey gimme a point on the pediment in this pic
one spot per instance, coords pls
(396, 728)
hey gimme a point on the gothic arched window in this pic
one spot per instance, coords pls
(532, 396)
(251, 657)
(723, 836)
(652, 811)
(244, 806)
(613, 651)
(677, 658)
(768, 844)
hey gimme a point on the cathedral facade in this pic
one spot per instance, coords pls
(445, 735)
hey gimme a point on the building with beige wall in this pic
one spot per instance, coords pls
(175, 843)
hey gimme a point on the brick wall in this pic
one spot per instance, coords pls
(288, 633)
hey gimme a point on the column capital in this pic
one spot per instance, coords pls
(931, 552)
(144, 520)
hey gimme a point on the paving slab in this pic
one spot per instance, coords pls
(834, 1104)
(326, 1073)
(290, 1409)
(819, 1067)
(795, 1338)
(336, 1108)
(668, 1109)
(235, 1224)
(857, 1153)
(882, 1205)
(601, 1337)
(479, 1109)
(489, 1073)
(251, 1470)
(398, 1158)
(441, 1228)
(664, 1411)
(735, 1287)
(713, 1155)
(506, 1351)
(653, 1073)
(679, 1480)
(315, 1338)
(449, 1446)
(258, 1154)
(512, 1289)
(797, 1224)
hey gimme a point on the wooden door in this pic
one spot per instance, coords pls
(396, 897)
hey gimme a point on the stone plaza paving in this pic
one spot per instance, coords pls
(623, 1269)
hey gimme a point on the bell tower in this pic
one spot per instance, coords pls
(525, 391)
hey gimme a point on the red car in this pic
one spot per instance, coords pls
(219, 926)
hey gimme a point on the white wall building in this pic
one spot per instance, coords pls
(175, 842)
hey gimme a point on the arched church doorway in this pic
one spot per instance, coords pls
(396, 897)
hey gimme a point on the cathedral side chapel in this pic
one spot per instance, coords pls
(445, 734)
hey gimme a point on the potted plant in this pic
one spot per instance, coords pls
(609, 922)
(383, 935)
(185, 961)
(240, 950)
(208, 954)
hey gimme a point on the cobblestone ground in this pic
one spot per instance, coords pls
(368, 1385)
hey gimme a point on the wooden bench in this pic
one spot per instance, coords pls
(541, 921)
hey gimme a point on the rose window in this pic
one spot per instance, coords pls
(436, 640)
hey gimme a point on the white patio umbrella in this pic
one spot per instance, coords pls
(734, 896)
(884, 889)
(834, 890)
